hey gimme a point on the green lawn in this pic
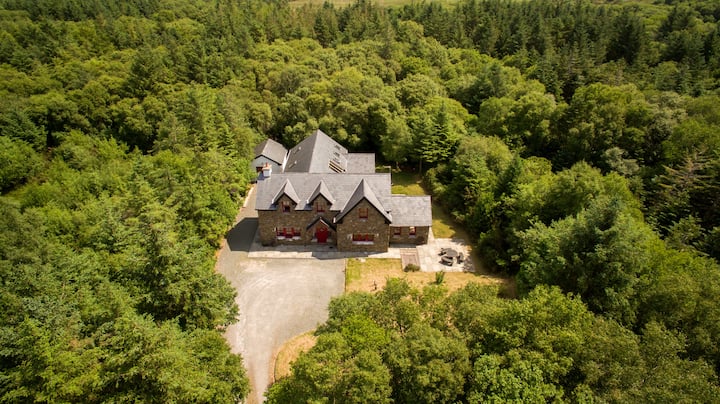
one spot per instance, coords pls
(407, 183)
(444, 226)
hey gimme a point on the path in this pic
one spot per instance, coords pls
(278, 298)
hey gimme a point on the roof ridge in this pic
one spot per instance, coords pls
(271, 149)
(287, 189)
(363, 191)
(322, 189)
(313, 145)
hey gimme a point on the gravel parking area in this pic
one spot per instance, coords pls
(278, 299)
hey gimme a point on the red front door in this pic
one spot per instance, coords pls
(321, 233)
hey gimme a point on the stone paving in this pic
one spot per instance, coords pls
(428, 255)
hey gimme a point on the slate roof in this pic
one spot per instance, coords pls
(314, 154)
(272, 150)
(342, 186)
(287, 189)
(323, 190)
(363, 192)
(327, 223)
(411, 210)
(361, 162)
(318, 165)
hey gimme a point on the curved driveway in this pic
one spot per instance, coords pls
(278, 298)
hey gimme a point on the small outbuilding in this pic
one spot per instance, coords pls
(269, 155)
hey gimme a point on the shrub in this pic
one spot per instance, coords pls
(411, 268)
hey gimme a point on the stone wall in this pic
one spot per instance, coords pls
(351, 224)
(420, 237)
(269, 220)
(374, 224)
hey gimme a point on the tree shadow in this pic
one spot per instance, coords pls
(240, 237)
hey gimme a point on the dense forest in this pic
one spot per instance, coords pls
(578, 142)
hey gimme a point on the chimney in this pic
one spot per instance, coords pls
(267, 170)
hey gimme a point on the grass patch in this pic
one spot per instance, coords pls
(444, 226)
(353, 273)
(371, 275)
(290, 351)
(407, 184)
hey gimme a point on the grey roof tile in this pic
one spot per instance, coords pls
(314, 154)
(363, 191)
(286, 189)
(272, 150)
(361, 162)
(327, 223)
(411, 210)
(341, 186)
(323, 190)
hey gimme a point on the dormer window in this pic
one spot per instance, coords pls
(286, 206)
(320, 206)
(363, 213)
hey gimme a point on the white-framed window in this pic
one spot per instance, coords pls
(397, 231)
(363, 213)
(363, 238)
(319, 206)
(287, 233)
(286, 206)
(412, 231)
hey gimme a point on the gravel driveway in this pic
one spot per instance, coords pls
(278, 298)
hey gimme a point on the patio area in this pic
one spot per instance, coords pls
(431, 260)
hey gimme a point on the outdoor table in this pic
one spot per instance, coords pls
(450, 253)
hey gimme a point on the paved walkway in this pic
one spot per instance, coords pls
(427, 255)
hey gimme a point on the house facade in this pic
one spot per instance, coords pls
(324, 195)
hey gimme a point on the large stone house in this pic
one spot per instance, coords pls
(322, 194)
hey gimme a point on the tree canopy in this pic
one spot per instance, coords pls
(471, 346)
(576, 141)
